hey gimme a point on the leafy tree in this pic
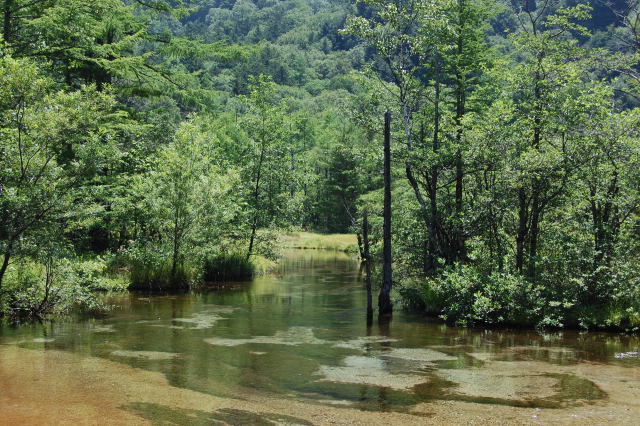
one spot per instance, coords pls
(53, 144)
(185, 193)
(269, 134)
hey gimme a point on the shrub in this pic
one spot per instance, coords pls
(159, 276)
(152, 270)
(38, 288)
(466, 296)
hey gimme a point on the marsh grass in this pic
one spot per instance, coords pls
(309, 240)
(159, 276)
(228, 267)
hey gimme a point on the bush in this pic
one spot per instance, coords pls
(158, 276)
(465, 296)
(228, 267)
(151, 270)
(38, 288)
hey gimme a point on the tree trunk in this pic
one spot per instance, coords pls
(176, 248)
(458, 238)
(384, 299)
(406, 112)
(5, 265)
(254, 226)
(534, 231)
(523, 218)
(367, 263)
(536, 208)
(433, 188)
(256, 196)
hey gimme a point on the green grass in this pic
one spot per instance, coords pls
(262, 265)
(228, 267)
(309, 240)
(235, 267)
(159, 277)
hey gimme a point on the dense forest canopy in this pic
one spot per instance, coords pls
(148, 144)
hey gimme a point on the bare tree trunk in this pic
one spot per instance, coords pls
(523, 218)
(5, 265)
(533, 237)
(459, 252)
(384, 299)
(254, 226)
(176, 239)
(367, 263)
(433, 246)
(256, 196)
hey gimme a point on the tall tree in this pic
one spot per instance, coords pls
(53, 144)
(384, 300)
(549, 66)
(268, 130)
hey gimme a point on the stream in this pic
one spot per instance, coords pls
(294, 348)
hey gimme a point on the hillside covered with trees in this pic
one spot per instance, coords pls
(159, 144)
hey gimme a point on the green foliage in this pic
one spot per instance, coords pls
(57, 285)
(161, 135)
(54, 146)
(520, 202)
(466, 296)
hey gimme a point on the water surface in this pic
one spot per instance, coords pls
(300, 336)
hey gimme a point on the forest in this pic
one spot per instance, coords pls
(157, 145)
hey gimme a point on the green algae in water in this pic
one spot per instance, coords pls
(163, 415)
(293, 336)
(369, 371)
(150, 355)
(418, 354)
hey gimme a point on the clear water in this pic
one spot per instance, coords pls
(301, 334)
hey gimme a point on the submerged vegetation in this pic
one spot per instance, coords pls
(153, 146)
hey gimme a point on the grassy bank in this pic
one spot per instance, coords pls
(311, 241)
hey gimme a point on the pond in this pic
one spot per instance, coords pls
(294, 348)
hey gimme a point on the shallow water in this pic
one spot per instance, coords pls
(301, 336)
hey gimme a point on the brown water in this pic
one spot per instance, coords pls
(294, 348)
